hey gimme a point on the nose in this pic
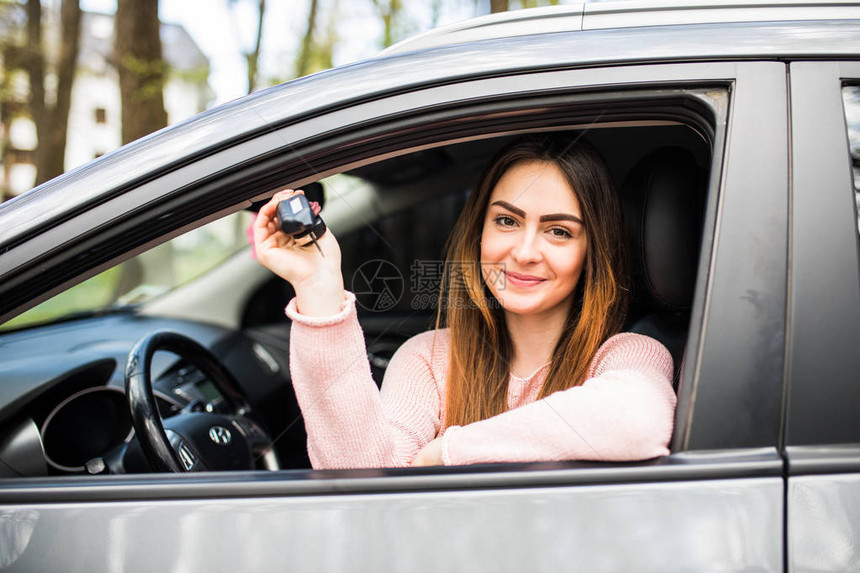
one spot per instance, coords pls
(527, 249)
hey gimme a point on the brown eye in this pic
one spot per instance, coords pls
(504, 221)
(561, 233)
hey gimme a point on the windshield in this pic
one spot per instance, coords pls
(147, 275)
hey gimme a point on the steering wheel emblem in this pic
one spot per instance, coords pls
(220, 435)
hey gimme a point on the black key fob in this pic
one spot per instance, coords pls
(297, 218)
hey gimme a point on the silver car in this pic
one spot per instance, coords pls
(730, 129)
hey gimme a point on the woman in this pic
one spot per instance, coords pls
(530, 367)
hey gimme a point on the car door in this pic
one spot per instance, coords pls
(823, 429)
(717, 503)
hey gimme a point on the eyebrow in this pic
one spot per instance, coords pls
(544, 218)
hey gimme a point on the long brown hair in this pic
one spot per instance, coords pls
(480, 345)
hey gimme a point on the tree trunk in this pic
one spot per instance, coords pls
(498, 6)
(142, 72)
(53, 163)
(51, 114)
(253, 57)
(303, 63)
(390, 12)
(34, 61)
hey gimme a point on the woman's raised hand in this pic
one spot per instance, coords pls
(316, 279)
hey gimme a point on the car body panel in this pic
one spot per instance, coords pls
(620, 14)
(706, 525)
(824, 523)
(603, 15)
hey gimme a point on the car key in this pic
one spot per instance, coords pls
(297, 219)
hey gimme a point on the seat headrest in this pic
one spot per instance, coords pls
(664, 198)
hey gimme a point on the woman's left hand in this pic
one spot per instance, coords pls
(430, 455)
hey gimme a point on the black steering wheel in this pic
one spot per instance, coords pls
(193, 441)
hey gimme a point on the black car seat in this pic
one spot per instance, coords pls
(664, 198)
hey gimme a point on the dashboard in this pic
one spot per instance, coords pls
(62, 389)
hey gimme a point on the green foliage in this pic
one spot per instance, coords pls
(153, 74)
(198, 75)
(94, 293)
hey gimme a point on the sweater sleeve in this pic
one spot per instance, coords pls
(349, 423)
(623, 412)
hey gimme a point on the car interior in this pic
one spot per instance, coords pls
(67, 411)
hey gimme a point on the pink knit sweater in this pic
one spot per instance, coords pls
(624, 410)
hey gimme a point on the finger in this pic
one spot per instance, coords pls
(286, 193)
(262, 226)
(263, 235)
(276, 242)
(270, 208)
(266, 213)
(270, 243)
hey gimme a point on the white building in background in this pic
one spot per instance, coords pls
(95, 113)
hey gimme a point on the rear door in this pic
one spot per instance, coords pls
(822, 434)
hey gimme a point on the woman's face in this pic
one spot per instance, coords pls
(534, 243)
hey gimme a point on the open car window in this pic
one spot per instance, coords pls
(392, 213)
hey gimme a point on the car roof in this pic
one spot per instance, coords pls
(625, 14)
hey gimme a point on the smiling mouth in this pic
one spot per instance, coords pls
(517, 279)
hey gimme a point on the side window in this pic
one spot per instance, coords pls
(851, 100)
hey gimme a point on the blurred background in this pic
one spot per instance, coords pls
(79, 78)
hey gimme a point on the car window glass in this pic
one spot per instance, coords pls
(149, 274)
(851, 99)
